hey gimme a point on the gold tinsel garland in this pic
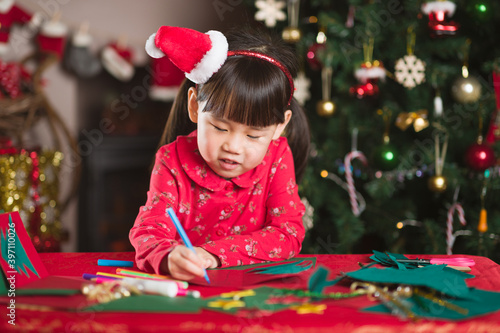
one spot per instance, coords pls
(29, 184)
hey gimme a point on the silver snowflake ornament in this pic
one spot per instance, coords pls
(270, 11)
(301, 84)
(410, 71)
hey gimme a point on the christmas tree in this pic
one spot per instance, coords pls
(403, 112)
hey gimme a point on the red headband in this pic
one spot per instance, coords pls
(270, 60)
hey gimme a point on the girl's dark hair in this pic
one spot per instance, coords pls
(250, 91)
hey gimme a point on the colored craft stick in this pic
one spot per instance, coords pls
(116, 263)
(88, 276)
(101, 274)
(142, 275)
(183, 235)
(101, 279)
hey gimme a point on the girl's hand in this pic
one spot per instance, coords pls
(184, 264)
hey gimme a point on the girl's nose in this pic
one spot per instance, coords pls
(233, 144)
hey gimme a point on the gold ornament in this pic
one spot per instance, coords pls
(418, 119)
(291, 34)
(437, 184)
(466, 90)
(325, 108)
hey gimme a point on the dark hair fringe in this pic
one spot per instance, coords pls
(249, 91)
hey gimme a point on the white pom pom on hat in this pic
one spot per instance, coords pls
(198, 55)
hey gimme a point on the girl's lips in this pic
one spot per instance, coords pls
(228, 164)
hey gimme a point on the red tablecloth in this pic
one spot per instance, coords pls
(340, 316)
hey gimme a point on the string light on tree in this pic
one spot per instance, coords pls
(386, 156)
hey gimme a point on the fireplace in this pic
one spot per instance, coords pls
(121, 128)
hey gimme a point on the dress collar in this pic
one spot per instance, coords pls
(199, 171)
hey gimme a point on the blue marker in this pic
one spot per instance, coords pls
(115, 263)
(183, 235)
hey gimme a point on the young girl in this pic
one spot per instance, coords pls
(223, 164)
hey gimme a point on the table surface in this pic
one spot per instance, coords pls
(342, 315)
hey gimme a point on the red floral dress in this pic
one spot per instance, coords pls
(252, 218)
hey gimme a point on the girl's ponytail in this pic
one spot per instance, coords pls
(178, 122)
(298, 135)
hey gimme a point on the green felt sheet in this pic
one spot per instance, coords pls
(152, 303)
(438, 277)
(479, 303)
(4, 285)
(284, 263)
(285, 268)
(390, 259)
(53, 292)
(319, 280)
(155, 303)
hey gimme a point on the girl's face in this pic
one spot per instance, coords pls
(228, 147)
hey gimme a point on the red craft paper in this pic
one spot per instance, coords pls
(19, 260)
(239, 278)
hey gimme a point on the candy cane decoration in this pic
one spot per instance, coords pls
(450, 236)
(351, 189)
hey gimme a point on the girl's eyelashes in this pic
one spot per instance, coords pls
(219, 129)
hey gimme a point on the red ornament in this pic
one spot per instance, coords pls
(368, 89)
(312, 55)
(368, 74)
(439, 13)
(480, 156)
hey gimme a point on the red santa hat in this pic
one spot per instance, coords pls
(198, 55)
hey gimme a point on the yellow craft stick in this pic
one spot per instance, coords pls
(137, 273)
(110, 274)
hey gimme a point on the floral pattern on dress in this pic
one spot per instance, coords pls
(238, 229)
(275, 252)
(251, 247)
(203, 197)
(277, 211)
